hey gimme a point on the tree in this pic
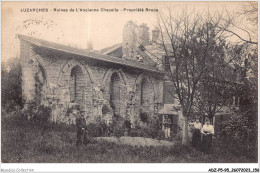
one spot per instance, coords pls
(243, 24)
(189, 43)
(221, 82)
(11, 84)
(212, 96)
(250, 90)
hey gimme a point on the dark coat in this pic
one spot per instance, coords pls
(80, 123)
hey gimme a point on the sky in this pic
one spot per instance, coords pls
(76, 28)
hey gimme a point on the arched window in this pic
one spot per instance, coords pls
(115, 93)
(145, 92)
(77, 85)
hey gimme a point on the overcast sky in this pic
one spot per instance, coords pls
(74, 28)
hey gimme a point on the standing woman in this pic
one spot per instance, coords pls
(207, 131)
(196, 136)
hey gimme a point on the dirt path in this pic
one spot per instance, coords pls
(137, 141)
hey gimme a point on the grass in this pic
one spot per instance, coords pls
(25, 143)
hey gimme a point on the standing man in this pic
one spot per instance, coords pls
(80, 125)
(127, 125)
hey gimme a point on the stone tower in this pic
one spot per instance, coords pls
(155, 35)
(143, 35)
(130, 41)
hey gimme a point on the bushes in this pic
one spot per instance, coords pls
(11, 85)
(32, 114)
(152, 130)
(144, 116)
(61, 148)
(96, 129)
(106, 109)
(33, 118)
(100, 128)
(39, 116)
(36, 114)
(117, 128)
(140, 132)
(239, 134)
(147, 132)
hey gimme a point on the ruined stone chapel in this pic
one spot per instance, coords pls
(123, 77)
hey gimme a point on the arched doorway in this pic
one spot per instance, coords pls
(145, 92)
(115, 91)
(77, 80)
(77, 85)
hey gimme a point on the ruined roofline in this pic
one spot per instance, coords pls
(110, 49)
(115, 47)
(88, 54)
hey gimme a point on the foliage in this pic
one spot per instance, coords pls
(21, 144)
(117, 128)
(69, 110)
(152, 130)
(144, 116)
(96, 129)
(140, 131)
(155, 130)
(239, 133)
(106, 109)
(100, 128)
(218, 84)
(196, 61)
(189, 43)
(11, 88)
(147, 132)
(32, 116)
(37, 114)
(250, 79)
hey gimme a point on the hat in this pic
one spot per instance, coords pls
(207, 119)
(197, 117)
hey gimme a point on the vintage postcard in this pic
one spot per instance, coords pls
(129, 82)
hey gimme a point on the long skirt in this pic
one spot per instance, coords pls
(196, 138)
(206, 143)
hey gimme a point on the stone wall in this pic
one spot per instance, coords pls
(94, 85)
(29, 67)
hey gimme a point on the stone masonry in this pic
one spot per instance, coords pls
(88, 78)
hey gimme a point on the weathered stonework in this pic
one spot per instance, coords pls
(69, 79)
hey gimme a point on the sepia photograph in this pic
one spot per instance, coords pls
(129, 82)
